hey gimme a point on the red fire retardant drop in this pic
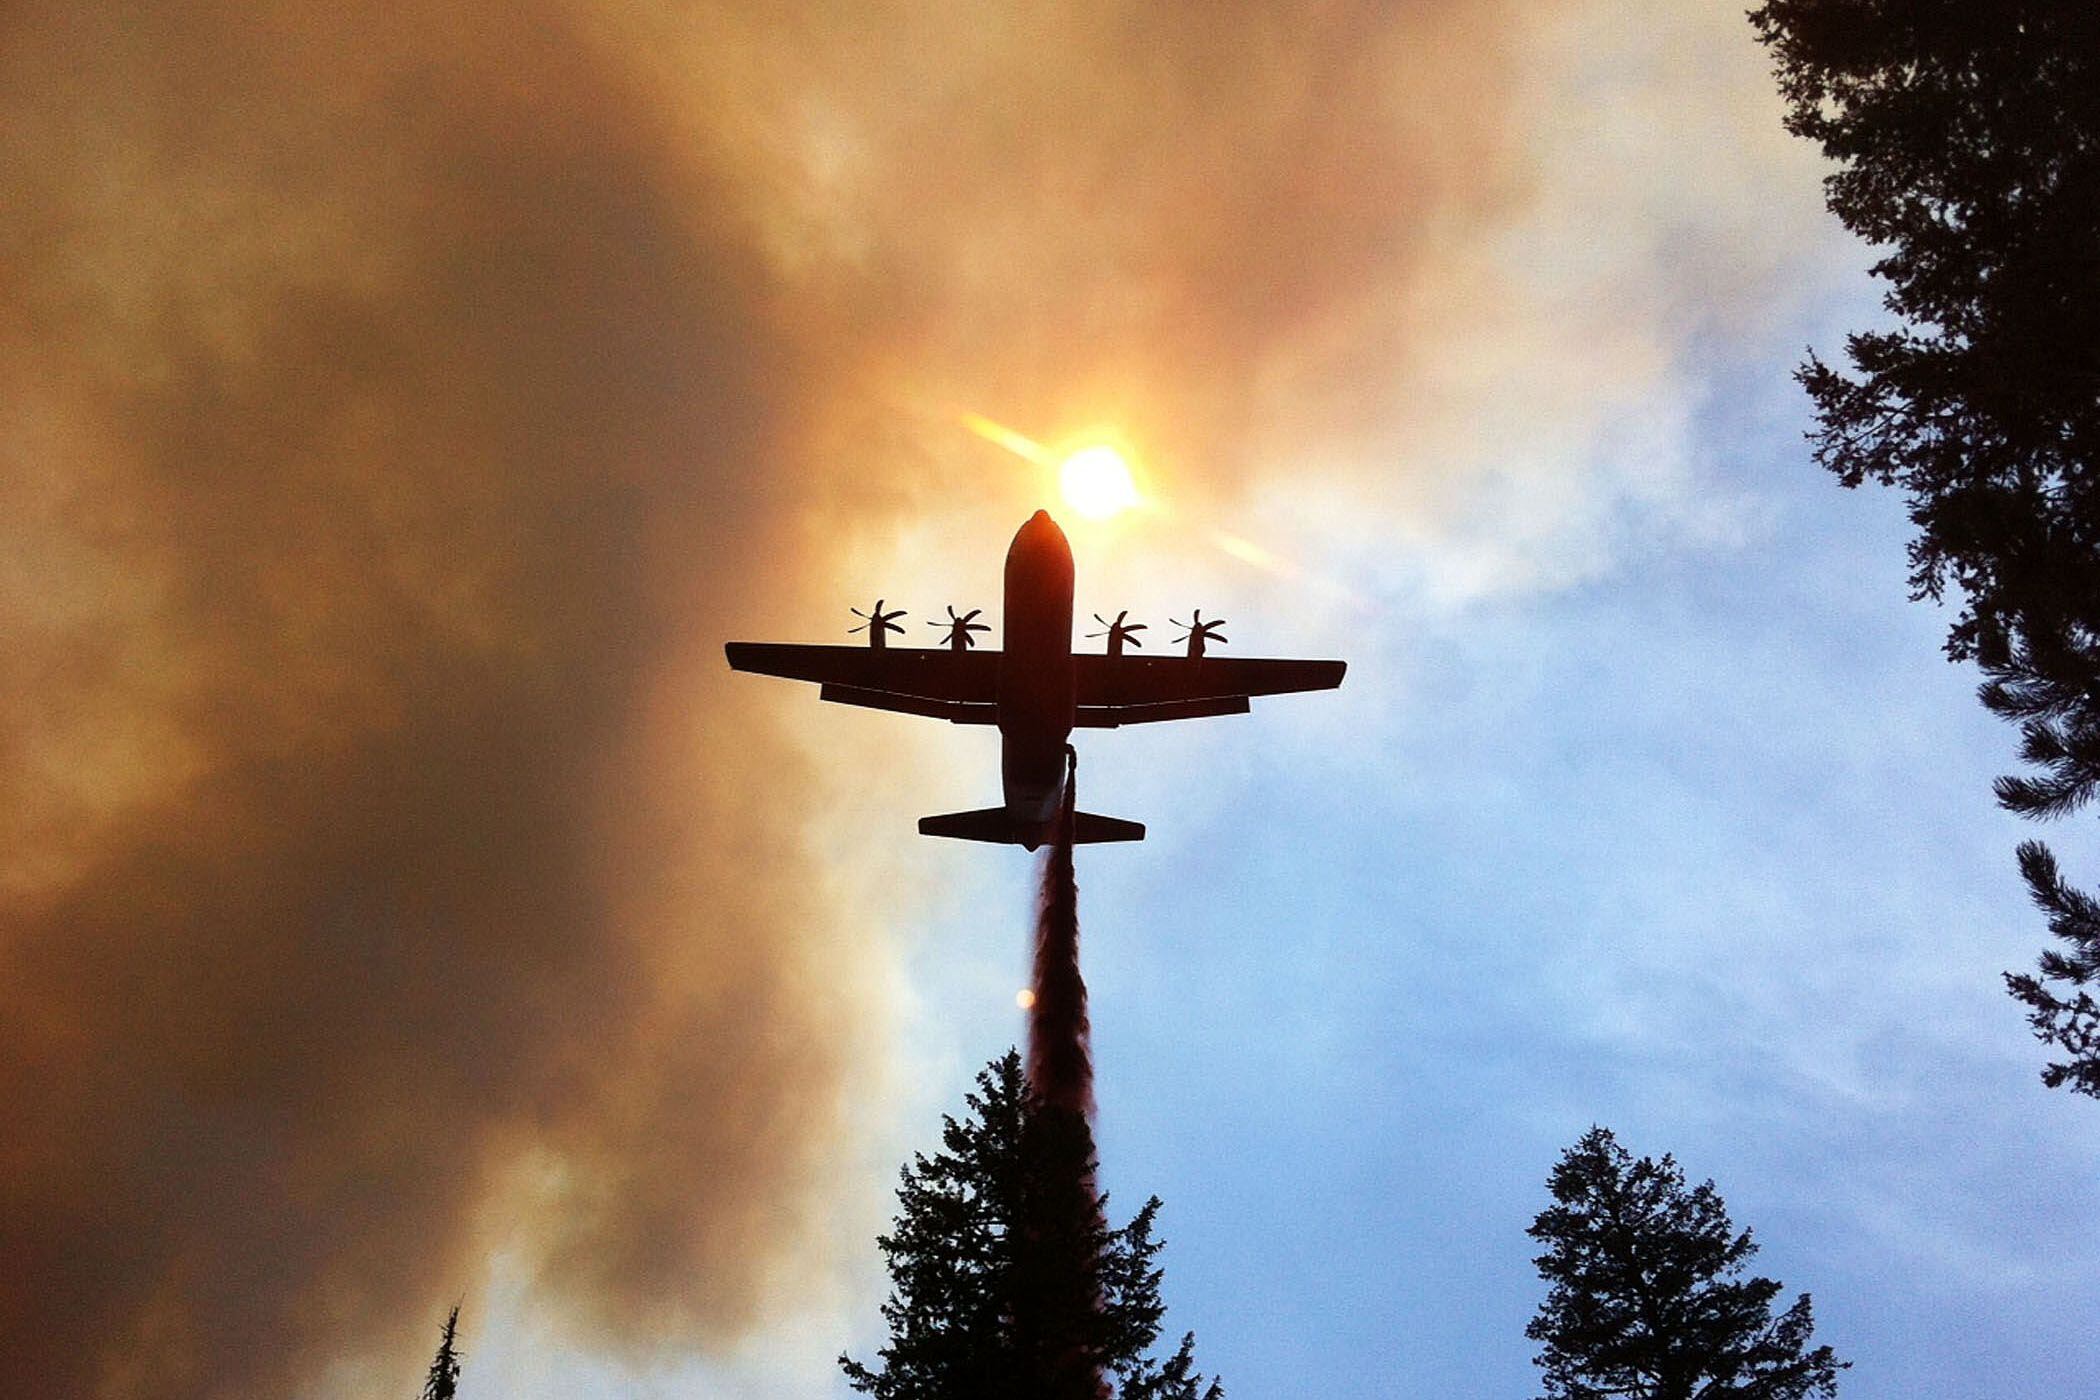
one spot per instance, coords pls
(1061, 1071)
(1060, 1051)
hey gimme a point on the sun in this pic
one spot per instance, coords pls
(1096, 482)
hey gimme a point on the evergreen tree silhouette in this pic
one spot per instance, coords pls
(443, 1381)
(997, 1285)
(1967, 141)
(1648, 1298)
(2071, 1023)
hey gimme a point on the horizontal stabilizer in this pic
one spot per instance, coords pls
(998, 825)
(1094, 829)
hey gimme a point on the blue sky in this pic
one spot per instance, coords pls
(1700, 848)
(1704, 853)
(1684, 854)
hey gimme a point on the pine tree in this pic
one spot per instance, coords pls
(1648, 1298)
(2071, 1023)
(1967, 143)
(443, 1381)
(998, 1284)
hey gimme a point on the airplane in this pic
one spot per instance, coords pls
(1037, 690)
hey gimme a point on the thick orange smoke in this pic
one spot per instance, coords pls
(398, 406)
(389, 432)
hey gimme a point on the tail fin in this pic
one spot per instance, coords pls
(996, 824)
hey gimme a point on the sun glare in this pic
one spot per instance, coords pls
(1096, 482)
(1025, 999)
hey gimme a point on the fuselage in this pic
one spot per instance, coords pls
(1036, 692)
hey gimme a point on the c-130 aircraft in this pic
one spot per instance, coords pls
(1036, 690)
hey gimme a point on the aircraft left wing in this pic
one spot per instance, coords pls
(1168, 684)
(962, 686)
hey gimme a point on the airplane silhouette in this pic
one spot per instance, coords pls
(1036, 690)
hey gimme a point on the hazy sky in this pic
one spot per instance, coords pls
(402, 902)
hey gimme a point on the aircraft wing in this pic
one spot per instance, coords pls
(1180, 687)
(962, 686)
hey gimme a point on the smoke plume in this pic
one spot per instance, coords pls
(398, 406)
(386, 422)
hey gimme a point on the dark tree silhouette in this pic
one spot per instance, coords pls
(1648, 1297)
(2071, 1023)
(983, 1260)
(1967, 139)
(443, 1381)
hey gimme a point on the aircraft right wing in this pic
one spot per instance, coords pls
(1167, 683)
(960, 686)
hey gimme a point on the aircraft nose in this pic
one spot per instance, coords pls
(1038, 534)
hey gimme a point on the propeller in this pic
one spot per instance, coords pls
(1119, 632)
(960, 628)
(877, 624)
(1199, 632)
